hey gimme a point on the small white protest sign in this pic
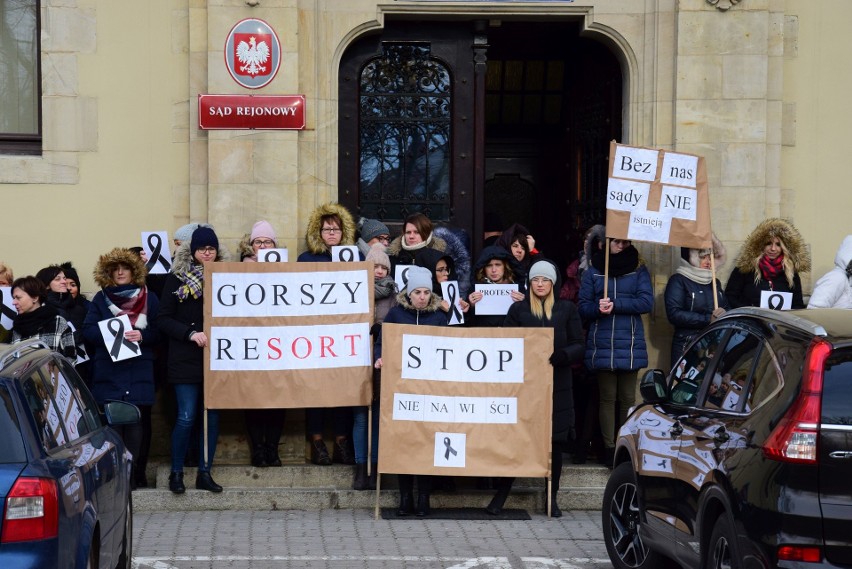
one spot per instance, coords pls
(119, 348)
(400, 276)
(635, 163)
(496, 299)
(450, 449)
(82, 355)
(450, 293)
(7, 309)
(679, 169)
(345, 253)
(156, 247)
(272, 256)
(776, 300)
(627, 195)
(679, 202)
(649, 226)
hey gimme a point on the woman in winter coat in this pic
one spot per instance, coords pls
(181, 320)
(264, 426)
(689, 295)
(615, 342)
(329, 225)
(417, 235)
(494, 266)
(53, 277)
(544, 309)
(521, 244)
(38, 319)
(384, 292)
(834, 288)
(771, 259)
(418, 305)
(121, 276)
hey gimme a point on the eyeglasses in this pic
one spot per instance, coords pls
(263, 243)
(330, 230)
(384, 238)
(443, 270)
(539, 280)
(206, 250)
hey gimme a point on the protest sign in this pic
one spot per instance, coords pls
(112, 331)
(450, 293)
(156, 247)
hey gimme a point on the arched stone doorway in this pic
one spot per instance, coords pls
(460, 118)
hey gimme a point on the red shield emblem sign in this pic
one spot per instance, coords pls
(253, 54)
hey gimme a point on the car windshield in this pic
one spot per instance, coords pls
(11, 443)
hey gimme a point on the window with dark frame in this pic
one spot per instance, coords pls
(20, 77)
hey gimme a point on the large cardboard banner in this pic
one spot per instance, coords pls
(288, 335)
(657, 195)
(466, 402)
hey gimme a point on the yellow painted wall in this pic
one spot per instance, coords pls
(815, 172)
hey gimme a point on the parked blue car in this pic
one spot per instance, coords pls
(64, 473)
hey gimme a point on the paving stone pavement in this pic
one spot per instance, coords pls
(338, 539)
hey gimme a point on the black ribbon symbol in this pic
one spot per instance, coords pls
(346, 256)
(404, 277)
(449, 448)
(273, 257)
(775, 301)
(118, 339)
(5, 310)
(452, 292)
(156, 246)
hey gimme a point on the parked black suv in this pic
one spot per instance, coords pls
(742, 455)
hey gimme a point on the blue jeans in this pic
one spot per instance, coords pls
(189, 397)
(359, 434)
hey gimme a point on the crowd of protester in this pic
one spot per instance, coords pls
(595, 307)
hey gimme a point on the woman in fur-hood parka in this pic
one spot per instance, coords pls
(834, 288)
(689, 294)
(317, 250)
(772, 257)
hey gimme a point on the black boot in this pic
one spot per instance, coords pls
(373, 480)
(319, 453)
(495, 507)
(422, 505)
(271, 453)
(342, 452)
(360, 481)
(406, 504)
(205, 482)
(176, 483)
(555, 512)
(258, 456)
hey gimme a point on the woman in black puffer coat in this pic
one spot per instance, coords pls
(543, 308)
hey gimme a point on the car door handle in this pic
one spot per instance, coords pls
(676, 430)
(840, 454)
(721, 435)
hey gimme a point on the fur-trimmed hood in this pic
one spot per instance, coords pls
(313, 233)
(107, 263)
(595, 235)
(720, 254)
(404, 302)
(395, 247)
(752, 249)
(183, 258)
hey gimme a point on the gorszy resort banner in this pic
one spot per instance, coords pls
(466, 402)
(659, 196)
(288, 335)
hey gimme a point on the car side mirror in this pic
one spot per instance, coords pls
(653, 386)
(121, 413)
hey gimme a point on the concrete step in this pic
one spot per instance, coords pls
(309, 487)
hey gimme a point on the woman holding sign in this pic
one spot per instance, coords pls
(182, 320)
(121, 276)
(38, 319)
(615, 343)
(330, 224)
(544, 309)
(771, 259)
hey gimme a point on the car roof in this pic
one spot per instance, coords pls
(826, 322)
(11, 352)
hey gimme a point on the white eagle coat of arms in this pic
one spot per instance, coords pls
(253, 56)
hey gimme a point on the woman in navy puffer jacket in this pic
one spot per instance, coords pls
(615, 343)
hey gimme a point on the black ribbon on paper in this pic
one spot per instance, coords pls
(775, 302)
(346, 255)
(404, 277)
(5, 310)
(452, 292)
(273, 257)
(155, 243)
(118, 339)
(449, 448)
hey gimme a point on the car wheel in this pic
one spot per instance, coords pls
(127, 539)
(721, 548)
(621, 519)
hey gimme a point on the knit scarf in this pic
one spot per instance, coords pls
(771, 268)
(620, 264)
(131, 300)
(193, 282)
(695, 274)
(421, 245)
(383, 288)
(29, 324)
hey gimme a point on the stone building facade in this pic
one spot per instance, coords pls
(536, 89)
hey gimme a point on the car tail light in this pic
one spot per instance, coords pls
(809, 554)
(794, 439)
(32, 510)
